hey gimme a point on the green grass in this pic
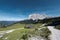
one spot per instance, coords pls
(18, 34)
(57, 27)
(45, 32)
(14, 26)
(37, 25)
(18, 25)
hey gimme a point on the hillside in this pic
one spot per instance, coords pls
(52, 21)
(19, 30)
(13, 26)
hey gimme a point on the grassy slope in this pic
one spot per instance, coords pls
(17, 34)
(14, 26)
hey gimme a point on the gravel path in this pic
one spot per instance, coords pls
(36, 38)
(55, 33)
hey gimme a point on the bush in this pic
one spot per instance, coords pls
(57, 27)
(45, 32)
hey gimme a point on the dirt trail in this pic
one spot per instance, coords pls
(55, 33)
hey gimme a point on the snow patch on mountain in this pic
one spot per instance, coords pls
(37, 16)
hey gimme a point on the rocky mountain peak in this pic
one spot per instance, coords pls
(37, 16)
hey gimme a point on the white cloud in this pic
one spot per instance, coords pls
(10, 19)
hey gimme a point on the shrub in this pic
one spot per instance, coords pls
(45, 32)
(57, 27)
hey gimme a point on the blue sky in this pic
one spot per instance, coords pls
(20, 9)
